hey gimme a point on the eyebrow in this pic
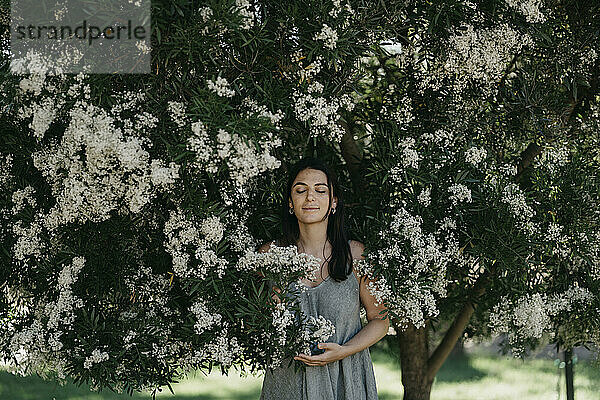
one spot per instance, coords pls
(302, 183)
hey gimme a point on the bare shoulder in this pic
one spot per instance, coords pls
(357, 249)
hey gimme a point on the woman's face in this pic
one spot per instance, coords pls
(310, 196)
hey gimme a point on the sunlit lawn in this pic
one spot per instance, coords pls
(478, 377)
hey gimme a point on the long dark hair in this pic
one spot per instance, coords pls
(340, 262)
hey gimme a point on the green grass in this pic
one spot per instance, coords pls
(478, 377)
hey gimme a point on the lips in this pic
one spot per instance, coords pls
(309, 208)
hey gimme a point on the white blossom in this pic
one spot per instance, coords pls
(221, 87)
(532, 315)
(177, 112)
(22, 196)
(425, 197)
(482, 54)
(184, 237)
(282, 318)
(529, 8)
(96, 357)
(204, 318)
(322, 114)
(244, 9)
(328, 35)
(205, 12)
(459, 192)
(514, 197)
(475, 155)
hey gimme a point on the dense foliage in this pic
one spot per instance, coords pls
(131, 205)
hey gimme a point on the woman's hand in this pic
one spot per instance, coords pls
(333, 352)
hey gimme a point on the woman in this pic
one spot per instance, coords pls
(314, 221)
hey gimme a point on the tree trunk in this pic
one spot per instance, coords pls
(414, 354)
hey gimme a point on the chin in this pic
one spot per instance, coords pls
(311, 219)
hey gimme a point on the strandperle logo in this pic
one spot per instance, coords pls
(72, 36)
(82, 32)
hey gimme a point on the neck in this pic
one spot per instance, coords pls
(313, 239)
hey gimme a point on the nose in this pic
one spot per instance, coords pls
(310, 195)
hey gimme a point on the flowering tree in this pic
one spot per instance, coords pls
(480, 135)
(132, 206)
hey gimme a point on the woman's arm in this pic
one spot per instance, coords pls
(370, 334)
(377, 327)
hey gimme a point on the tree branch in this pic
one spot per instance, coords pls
(533, 150)
(461, 320)
(353, 156)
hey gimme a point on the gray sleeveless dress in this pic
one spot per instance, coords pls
(351, 378)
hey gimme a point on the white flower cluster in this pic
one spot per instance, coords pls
(43, 113)
(177, 111)
(61, 311)
(553, 158)
(414, 257)
(459, 192)
(33, 348)
(224, 349)
(204, 318)
(200, 143)
(483, 54)
(244, 161)
(443, 138)
(337, 8)
(21, 196)
(185, 236)
(322, 114)
(324, 328)
(409, 155)
(221, 87)
(244, 9)
(424, 198)
(280, 261)
(263, 111)
(475, 155)
(212, 229)
(205, 13)
(532, 315)
(419, 304)
(513, 196)
(96, 357)
(402, 112)
(559, 241)
(6, 162)
(34, 62)
(282, 318)
(143, 46)
(529, 8)
(94, 170)
(29, 241)
(33, 84)
(317, 329)
(328, 35)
